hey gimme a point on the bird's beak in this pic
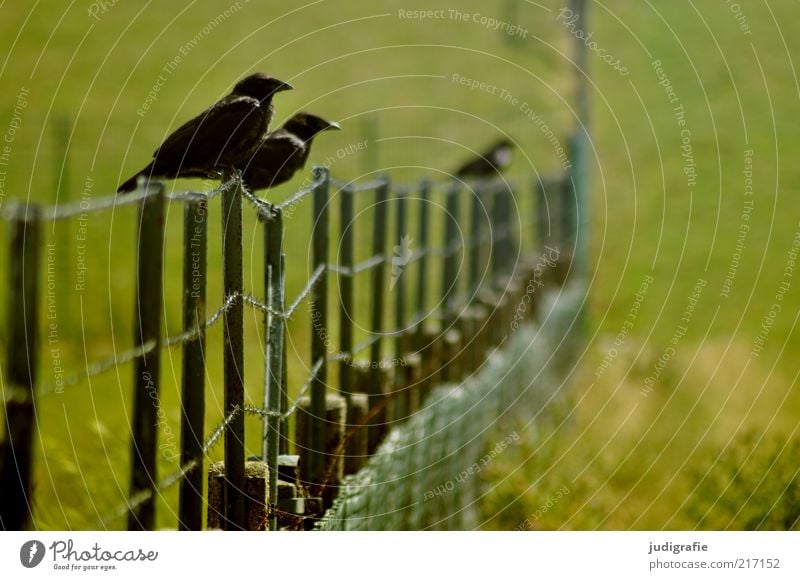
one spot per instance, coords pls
(284, 87)
(333, 126)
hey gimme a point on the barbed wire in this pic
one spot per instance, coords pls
(301, 193)
(312, 281)
(104, 365)
(363, 266)
(264, 208)
(139, 498)
(354, 187)
(107, 364)
(97, 368)
(209, 195)
(263, 412)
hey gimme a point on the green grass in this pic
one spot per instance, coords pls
(364, 66)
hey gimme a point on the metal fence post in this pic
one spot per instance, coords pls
(422, 267)
(449, 283)
(193, 381)
(579, 172)
(476, 241)
(503, 262)
(400, 257)
(147, 333)
(376, 382)
(275, 324)
(233, 357)
(283, 446)
(450, 264)
(346, 312)
(317, 423)
(20, 413)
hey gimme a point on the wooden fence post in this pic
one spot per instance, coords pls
(317, 424)
(193, 383)
(275, 325)
(147, 325)
(233, 357)
(22, 358)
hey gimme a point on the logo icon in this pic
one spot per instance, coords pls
(402, 256)
(31, 553)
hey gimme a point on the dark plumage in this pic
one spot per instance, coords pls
(490, 163)
(282, 152)
(218, 139)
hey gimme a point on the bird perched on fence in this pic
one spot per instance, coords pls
(284, 151)
(490, 163)
(221, 138)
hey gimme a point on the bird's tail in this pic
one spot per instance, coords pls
(130, 185)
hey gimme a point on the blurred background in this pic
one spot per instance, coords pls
(684, 410)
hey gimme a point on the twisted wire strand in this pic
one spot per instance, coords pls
(363, 266)
(301, 193)
(139, 498)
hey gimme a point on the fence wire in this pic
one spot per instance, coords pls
(265, 210)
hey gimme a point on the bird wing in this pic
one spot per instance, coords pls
(278, 147)
(279, 155)
(219, 121)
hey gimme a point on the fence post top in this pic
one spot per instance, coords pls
(150, 186)
(270, 212)
(321, 172)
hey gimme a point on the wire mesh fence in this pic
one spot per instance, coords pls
(426, 473)
(336, 428)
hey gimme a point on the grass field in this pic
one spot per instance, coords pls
(667, 205)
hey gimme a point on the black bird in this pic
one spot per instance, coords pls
(490, 163)
(284, 151)
(218, 139)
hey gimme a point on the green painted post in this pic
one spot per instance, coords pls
(449, 282)
(318, 424)
(580, 148)
(400, 257)
(450, 262)
(476, 243)
(275, 328)
(503, 262)
(193, 380)
(283, 446)
(422, 267)
(147, 325)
